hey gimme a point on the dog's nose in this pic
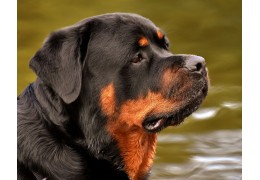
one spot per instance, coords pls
(195, 63)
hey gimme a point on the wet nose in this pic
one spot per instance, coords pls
(195, 63)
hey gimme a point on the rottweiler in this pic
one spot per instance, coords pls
(106, 86)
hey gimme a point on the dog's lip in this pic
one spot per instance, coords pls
(155, 123)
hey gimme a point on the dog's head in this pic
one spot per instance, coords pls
(119, 67)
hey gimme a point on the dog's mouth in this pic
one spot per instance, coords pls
(156, 123)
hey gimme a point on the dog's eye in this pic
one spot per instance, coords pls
(137, 59)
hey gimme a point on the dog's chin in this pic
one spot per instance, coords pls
(156, 123)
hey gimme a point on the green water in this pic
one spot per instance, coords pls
(208, 144)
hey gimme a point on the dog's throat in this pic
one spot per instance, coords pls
(137, 149)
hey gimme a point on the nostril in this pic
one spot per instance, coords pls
(195, 63)
(198, 66)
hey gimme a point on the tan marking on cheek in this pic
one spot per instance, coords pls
(133, 112)
(178, 79)
(168, 77)
(137, 147)
(107, 100)
(159, 34)
(143, 41)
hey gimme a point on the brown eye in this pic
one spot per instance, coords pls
(138, 58)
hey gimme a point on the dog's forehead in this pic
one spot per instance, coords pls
(128, 18)
(127, 22)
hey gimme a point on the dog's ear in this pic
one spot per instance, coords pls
(60, 60)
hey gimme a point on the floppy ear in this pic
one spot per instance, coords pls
(60, 60)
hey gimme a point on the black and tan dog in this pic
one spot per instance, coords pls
(106, 86)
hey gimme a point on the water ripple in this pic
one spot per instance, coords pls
(214, 155)
(205, 113)
(232, 105)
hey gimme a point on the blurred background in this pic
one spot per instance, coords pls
(208, 145)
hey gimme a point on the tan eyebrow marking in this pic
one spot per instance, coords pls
(159, 34)
(143, 41)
